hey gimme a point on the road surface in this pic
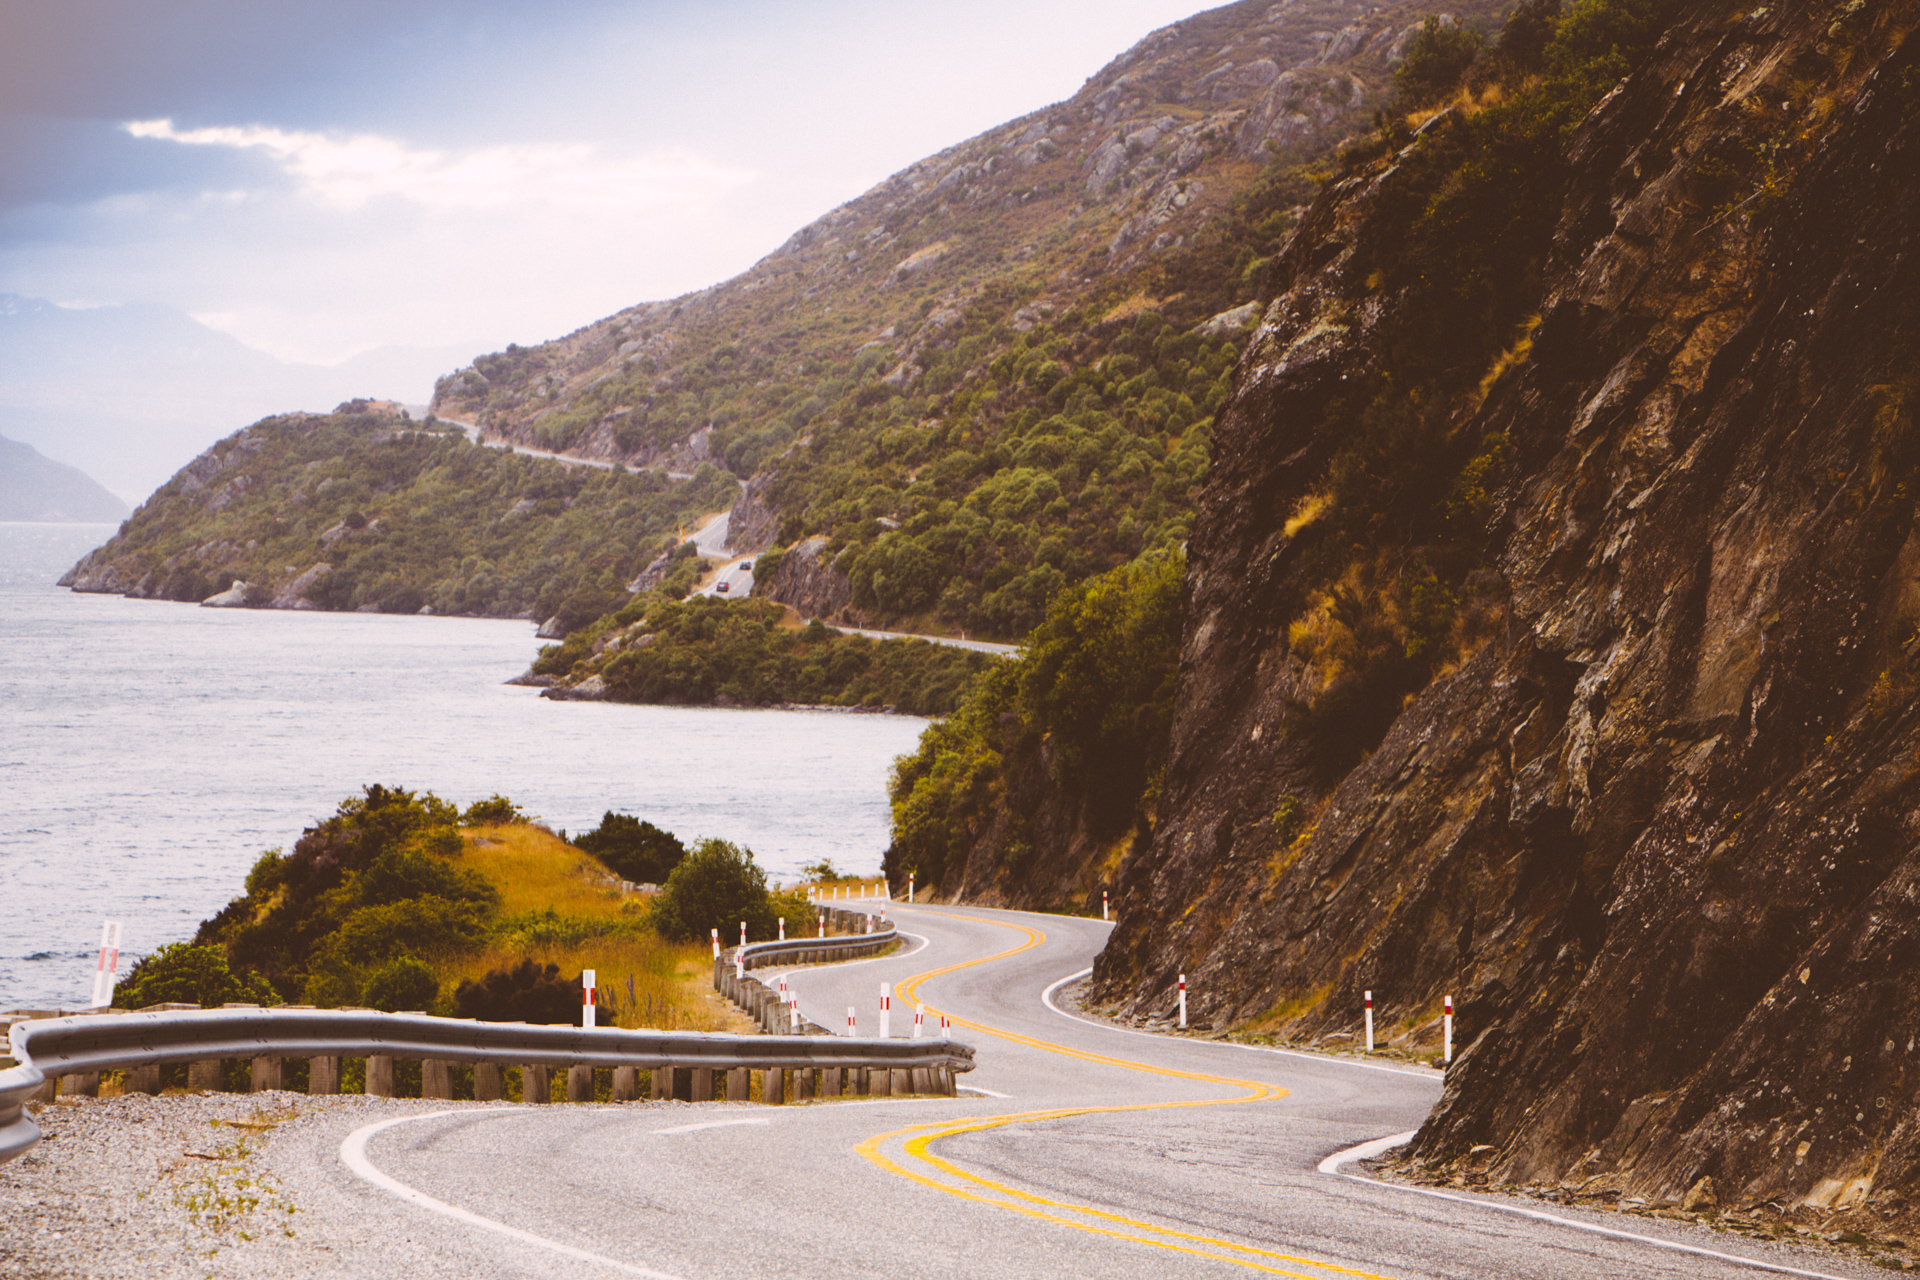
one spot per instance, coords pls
(1078, 1150)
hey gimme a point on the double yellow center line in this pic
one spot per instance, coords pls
(941, 1174)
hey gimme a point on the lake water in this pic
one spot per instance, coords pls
(150, 751)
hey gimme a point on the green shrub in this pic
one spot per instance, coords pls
(633, 849)
(400, 984)
(525, 993)
(717, 886)
(182, 973)
(494, 811)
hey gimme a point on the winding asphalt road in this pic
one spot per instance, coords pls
(1079, 1150)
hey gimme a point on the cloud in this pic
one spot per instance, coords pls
(347, 172)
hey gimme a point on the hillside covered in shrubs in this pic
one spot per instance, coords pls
(400, 900)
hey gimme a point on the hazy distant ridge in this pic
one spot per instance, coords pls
(34, 487)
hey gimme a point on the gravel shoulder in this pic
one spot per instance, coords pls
(224, 1185)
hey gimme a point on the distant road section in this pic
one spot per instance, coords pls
(978, 646)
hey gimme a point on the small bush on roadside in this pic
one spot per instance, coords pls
(527, 992)
(717, 886)
(181, 973)
(400, 984)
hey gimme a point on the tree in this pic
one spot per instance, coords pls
(636, 850)
(1437, 60)
(717, 886)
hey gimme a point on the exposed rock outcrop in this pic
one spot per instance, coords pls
(1658, 835)
(808, 582)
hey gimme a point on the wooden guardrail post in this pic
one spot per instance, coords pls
(143, 1079)
(702, 1084)
(380, 1075)
(580, 1084)
(204, 1075)
(803, 1084)
(536, 1084)
(739, 1084)
(773, 1086)
(626, 1084)
(84, 1085)
(323, 1074)
(489, 1082)
(263, 1076)
(436, 1078)
(832, 1082)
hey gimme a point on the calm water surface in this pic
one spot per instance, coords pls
(149, 752)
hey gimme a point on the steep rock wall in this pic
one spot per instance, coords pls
(1658, 834)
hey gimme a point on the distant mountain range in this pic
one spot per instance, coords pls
(130, 394)
(35, 487)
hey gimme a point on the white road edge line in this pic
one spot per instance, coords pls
(985, 1093)
(353, 1153)
(711, 1124)
(1046, 998)
(1367, 1150)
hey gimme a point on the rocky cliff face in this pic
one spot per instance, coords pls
(1654, 822)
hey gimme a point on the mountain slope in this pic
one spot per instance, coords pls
(1606, 723)
(993, 375)
(34, 487)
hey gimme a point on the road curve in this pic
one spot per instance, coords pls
(1082, 1150)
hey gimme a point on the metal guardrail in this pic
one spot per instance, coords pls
(89, 1043)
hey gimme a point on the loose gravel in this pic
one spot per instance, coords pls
(179, 1186)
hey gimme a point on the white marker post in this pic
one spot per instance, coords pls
(793, 1013)
(886, 1010)
(1369, 1022)
(743, 933)
(783, 988)
(1446, 1031)
(1103, 905)
(823, 924)
(1183, 1002)
(783, 928)
(946, 1025)
(919, 1019)
(909, 888)
(716, 944)
(588, 998)
(850, 1021)
(108, 964)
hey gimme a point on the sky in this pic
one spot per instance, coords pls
(325, 177)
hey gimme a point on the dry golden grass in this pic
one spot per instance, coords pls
(536, 871)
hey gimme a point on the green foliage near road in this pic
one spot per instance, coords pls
(717, 886)
(707, 650)
(1095, 686)
(528, 992)
(376, 883)
(367, 512)
(183, 973)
